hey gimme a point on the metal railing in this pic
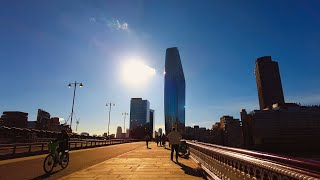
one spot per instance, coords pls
(231, 163)
(11, 150)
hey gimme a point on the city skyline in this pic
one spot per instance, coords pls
(46, 48)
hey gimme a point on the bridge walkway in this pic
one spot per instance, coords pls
(141, 163)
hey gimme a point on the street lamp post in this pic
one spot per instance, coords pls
(74, 95)
(124, 121)
(110, 104)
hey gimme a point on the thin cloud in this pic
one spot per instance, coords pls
(115, 24)
(92, 20)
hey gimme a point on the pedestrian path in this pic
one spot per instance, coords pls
(141, 163)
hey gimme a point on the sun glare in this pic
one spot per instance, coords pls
(135, 72)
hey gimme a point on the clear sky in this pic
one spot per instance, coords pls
(44, 45)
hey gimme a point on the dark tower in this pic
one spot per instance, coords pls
(174, 92)
(268, 82)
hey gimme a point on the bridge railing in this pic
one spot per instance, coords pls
(11, 150)
(231, 163)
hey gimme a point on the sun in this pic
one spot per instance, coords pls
(135, 72)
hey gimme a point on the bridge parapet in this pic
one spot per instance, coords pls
(8, 151)
(231, 163)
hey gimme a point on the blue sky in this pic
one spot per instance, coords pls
(47, 44)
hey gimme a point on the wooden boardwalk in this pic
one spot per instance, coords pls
(141, 163)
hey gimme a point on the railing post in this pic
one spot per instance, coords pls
(42, 146)
(30, 148)
(14, 149)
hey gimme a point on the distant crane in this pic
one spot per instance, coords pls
(77, 122)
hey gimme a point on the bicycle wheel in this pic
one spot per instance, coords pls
(48, 164)
(64, 160)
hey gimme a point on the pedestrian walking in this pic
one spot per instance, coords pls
(157, 140)
(174, 139)
(147, 140)
(160, 140)
(164, 139)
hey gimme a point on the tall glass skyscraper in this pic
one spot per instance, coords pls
(174, 92)
(139, 117)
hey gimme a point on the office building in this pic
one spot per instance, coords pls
(268, 82)
(15, 119)
(43, 118)
(139, 117)
(287, 127)
(231, 131)
(119, 132)
(174, 92)
(199, 133)
(32, 124)
(151, 124)
(127, 133)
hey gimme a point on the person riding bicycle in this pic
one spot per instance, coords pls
(63, 140)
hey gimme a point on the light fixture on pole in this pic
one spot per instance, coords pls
(74, 95)
(124, 121)
(110, 104)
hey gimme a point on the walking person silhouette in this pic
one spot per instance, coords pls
(147, 140)
(174, 139)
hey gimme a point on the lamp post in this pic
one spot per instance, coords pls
(110, 104)
(124, 121)
(74, 95)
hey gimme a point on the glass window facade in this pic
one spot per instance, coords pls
(139, 117)
(174, 91)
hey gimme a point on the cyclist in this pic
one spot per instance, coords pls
(63, 141)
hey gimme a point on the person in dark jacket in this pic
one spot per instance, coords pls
(147, 140)
(164, 139)
(63, 140)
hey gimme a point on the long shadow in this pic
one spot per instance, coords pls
(44, 176)
(190, 171)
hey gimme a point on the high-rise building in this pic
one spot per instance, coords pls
(151, 123)
(174, 92)
(139, 117)
(268, 82)
(119, 132)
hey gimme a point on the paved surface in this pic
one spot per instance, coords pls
(31, 167)
(141, 163)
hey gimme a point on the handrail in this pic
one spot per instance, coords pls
(305, 164)
(236, 163)
(72, 144)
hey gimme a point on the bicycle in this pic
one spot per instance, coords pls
(51, 160)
